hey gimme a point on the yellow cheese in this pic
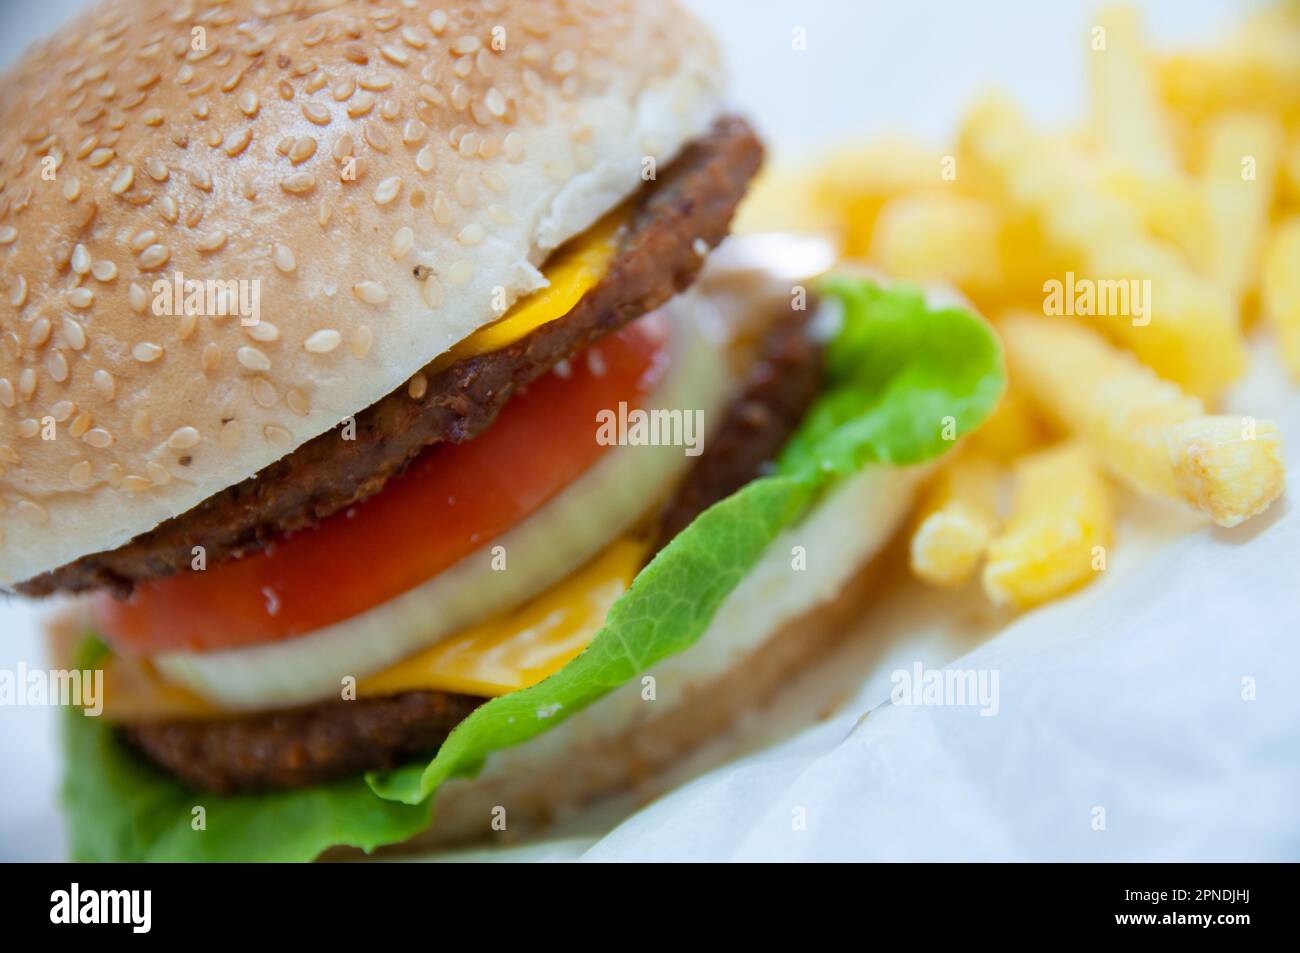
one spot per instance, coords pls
(523, 647)
(571, 272)
(512, 651)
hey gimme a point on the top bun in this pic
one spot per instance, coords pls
(364, 178)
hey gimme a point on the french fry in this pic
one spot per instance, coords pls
(1145, 430)
(1280, 290)
(1257, 68)
(940, 236)
(1127, 117)
(1013, 429)
(784, 199)
(1243, 152)
(1291, 171)
(1056, 537)
(1140, 163)
(957, 518)
(1189, 332)
(856, 181)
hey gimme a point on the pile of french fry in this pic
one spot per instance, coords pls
(1176, 205)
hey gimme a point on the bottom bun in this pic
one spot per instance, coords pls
(775, 623)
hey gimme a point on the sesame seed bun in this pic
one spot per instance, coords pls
(370, 177)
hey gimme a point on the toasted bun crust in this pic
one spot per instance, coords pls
(374, 175)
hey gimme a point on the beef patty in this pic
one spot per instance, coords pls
(323, 742)
(658, 255)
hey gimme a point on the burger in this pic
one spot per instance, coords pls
(354, 390)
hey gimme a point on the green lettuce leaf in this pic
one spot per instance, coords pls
(903, 382)
(120, 808)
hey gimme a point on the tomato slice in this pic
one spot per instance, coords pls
(451, 500)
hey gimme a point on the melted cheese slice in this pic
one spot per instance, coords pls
(510, 652)
(570, 273)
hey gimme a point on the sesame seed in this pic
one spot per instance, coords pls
(80, 425)
(424, 159)
(378, 82)
(98, 437)
(344, 88)
(39, 332)
(136, 298)
(323, 341)
(277, 435)
(8, 234)
(387, 190)
(283, 258)
(302, 149)
(500, 214)
(155, 256)
(394, 54)
(471, 234)
(57, 365)
(403, 238)
(431, 292)
(237, 142)
(146, 352)
(437, 22)
(464, 45)
(253, 359)
(188, 324)
(316, 113)
(264, 392)
(80, 474)
(104, 270)
(183, 438)
(248, 103)
(362, 339)
(361, 105)
(62, 410)
(495, 102)
(81, 298)
(159, 475)
(298, 182)
(212, 241)
(263, 331)
(28, 428)
(80, 261)
(7, 396)
(168, 209)
(371, 292)
(143, 239)
(565, 62)
(72, 189)
(460, 272)
(211, 358)
(18, 293)
(418, 386)
(413, 131)
(201, 180)
(136, 484)
(74, 333)
(104, 384)
(100, 157)
(298, 402)
(122, 181)
(441, 208)
(156, 169)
